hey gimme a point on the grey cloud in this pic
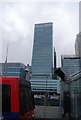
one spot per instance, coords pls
(80, 16)
(18, 27)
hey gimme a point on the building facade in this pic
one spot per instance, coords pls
(42, 59)
(76, 95)
(70, 64)
(72, 68)
(12, 70)
(78, 45)
(76, 83)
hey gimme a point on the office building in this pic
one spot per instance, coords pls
(71, 82)
(12, 70)
(42, 59)
(54, 66)
(70, 64)
(76, 80)
(78, 45)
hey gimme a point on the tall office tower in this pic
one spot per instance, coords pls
(78, 45)
(42, 59)
(54, 59)
(54, 65)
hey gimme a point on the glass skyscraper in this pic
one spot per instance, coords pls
(42, 59)
(78, 45)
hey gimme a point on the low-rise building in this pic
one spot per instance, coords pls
(12, 69)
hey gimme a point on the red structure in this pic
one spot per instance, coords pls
(17, 99)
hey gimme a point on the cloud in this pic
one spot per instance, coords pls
(26, 1)
(18, 19)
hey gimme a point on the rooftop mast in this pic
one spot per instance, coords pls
(6, 61)
(7, 54)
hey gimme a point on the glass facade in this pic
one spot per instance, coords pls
(12, 70)
(42, 59)
(70, 63)
(78, 45)
(43, 84)
(76, 95)
(76, 83)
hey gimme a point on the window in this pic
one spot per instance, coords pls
(25, 96)
(6, 98)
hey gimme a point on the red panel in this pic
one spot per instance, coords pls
(15, 97)
(14, 83)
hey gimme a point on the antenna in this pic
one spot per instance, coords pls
(7, 54)
(6, 61)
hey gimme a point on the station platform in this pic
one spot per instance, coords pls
(47, 112)
(50, 113)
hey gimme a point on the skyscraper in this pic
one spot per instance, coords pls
(42, 59)
(78, 45)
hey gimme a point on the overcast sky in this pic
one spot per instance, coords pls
(17, 27)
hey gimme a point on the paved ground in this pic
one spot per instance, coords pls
(50, 112)
(54, 119)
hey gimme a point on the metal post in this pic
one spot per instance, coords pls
(76, 99)
(44, 105)
(45, 99)
(5, 68)
(61, 98)
(5, 65)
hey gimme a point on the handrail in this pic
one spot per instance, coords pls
(74, 77)
(74, 74)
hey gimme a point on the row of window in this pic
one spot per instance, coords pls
(13, 74)
(12, 65)
(44, 87)
(43, 81)
(44, 84)
(11, 69)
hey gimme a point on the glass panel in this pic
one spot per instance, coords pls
(6, 98)
(25, 96)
